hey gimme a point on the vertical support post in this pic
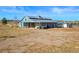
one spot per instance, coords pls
(39, 24)
(54, 25)
(30, 24)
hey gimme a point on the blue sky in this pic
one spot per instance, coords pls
(54, 12)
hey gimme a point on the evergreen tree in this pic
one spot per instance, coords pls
(4, 21)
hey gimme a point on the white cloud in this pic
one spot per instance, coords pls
(63, 10)
(41, 13)
(13, 9)
(56, 10)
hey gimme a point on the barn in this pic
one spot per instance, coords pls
(37, 22)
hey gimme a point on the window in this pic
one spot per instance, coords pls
(25, 19)
(25, 24)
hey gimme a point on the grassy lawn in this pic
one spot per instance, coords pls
(13, 39)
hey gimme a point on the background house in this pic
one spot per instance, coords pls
(73, 24)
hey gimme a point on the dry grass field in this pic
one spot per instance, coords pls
(15, 40)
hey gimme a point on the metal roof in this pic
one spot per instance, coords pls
(37, 19)
(34, 20)
(40, 19)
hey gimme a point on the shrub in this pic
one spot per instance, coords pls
(4, 21)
